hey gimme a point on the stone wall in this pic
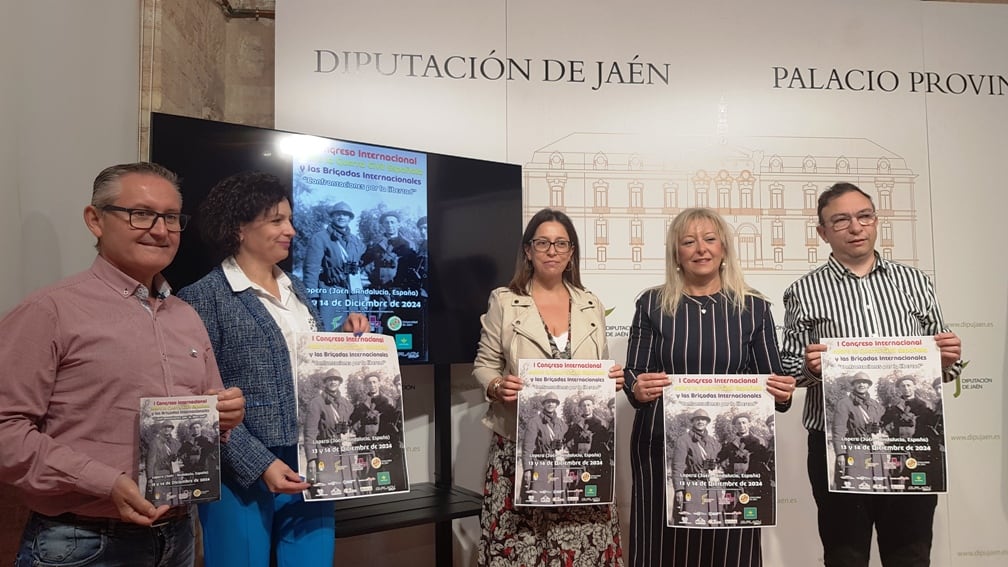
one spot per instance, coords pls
(196, 62)
(249, 77)
(189, 71)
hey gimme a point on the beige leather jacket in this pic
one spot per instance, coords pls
(513, 330)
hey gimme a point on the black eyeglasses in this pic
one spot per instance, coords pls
(145, 219)
(543, 245)
(866, 218)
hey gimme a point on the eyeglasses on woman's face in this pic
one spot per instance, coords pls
(543, 245)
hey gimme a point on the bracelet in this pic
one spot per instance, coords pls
(496, 388)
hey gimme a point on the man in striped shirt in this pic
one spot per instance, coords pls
(856, 293)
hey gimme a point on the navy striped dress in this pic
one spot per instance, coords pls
(721, 340)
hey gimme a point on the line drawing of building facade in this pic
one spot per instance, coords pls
(622, 195)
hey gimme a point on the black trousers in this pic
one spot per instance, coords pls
(903, 521)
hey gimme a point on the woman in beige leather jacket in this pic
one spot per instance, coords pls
(543, 313)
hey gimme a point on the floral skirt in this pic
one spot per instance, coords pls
(561, 536)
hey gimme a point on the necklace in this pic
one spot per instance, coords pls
(703, 305)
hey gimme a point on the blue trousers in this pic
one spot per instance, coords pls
(249, 525)
(94, 542)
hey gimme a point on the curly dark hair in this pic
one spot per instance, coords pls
(236, 200)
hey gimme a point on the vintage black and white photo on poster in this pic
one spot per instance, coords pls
(361, 245)
(885, 428)
(350, 419)
(719, 452)
(179, 450)
(566, 433)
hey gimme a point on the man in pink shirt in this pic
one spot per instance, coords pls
(77, 357)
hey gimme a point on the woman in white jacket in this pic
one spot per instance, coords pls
(543, 313)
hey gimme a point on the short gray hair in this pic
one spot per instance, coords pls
(106, 184)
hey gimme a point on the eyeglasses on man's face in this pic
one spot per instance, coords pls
(145, 219)
(843, 222)
(543, 245)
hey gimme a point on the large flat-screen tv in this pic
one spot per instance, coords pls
(413, 239)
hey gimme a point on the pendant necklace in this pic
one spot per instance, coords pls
(703, 305)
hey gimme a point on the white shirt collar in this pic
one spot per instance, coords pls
(238, 281)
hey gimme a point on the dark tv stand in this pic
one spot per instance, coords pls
(439, 502)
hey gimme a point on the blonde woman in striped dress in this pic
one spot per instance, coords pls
(703, 320)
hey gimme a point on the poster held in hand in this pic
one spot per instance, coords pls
(885, 424)
(350, 418)
(720, 454)
(566, 433)
(179, 450)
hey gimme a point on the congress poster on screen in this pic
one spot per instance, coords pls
(566, 433)
(361, 216)
(350, 418)
(885, 425)
(720, 452)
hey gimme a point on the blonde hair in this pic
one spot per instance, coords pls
(733, 283)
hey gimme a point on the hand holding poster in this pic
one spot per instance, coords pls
(179, 450)
(350, 416)
(719, 452)
(885, 429)
(566, 433)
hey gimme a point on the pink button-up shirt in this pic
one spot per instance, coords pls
(75, 359)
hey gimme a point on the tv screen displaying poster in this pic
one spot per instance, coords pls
(414, 240)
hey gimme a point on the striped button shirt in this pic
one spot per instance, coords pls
(892, 300)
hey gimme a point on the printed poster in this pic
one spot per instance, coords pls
(885, 427)
(566, 433)
(350, 417)
(720, 452)
(179, 450)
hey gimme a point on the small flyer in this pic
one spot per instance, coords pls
(179, 450)
(350, 417)
(720, 452)
(566, 433)
(885, 428)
